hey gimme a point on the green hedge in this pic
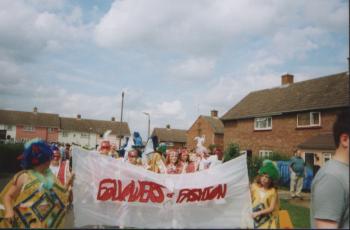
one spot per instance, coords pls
(8, 157)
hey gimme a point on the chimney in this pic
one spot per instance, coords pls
(168, 126)
(35, 109)
(113, 119)
(214, 113)
(287, 79)
(78, 116)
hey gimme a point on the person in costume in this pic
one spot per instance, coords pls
(113, 152)
(133, 157)
(58, 167)
(193, 163)
(105, 148)
(184, 160)
(34, 198)
(155, 159)
(265, 201)
(172, 162)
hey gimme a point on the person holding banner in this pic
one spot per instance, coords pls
(184, 160)
(34, 198)
(172, 162)
(265, 197)
(133, 157)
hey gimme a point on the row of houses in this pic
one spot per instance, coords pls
(280, 119)
(18, 126)
(294, 115)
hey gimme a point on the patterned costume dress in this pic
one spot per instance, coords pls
(40, 204)
(261, 200)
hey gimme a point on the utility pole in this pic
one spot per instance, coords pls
(121, 118)
(149, 124)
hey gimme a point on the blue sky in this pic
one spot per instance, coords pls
(173, 59)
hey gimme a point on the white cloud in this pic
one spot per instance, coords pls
(34, 29)
(193, 69)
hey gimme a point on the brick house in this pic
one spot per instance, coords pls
(173, 138)
(282, 118)
(210, 126)
(88, 132)
(22, 126)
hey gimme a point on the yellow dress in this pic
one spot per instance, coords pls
(37, 205)
(262, 199)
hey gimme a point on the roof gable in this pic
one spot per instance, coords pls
(29, 118)
(95, 126)
(321, 93)
(170, 135)
(215, 123)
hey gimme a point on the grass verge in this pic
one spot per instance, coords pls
(300, 216)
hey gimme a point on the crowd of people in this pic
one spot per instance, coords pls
(163, 160)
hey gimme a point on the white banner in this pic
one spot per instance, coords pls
(108, 191)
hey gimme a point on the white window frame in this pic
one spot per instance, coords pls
(29, 128)
(261, 118)
(310, 120)
(50, 130)
(8, 127)
(84, 135)
(326, 156)
(265, 153)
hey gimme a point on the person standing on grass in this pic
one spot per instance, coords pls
(330, 187)
(297, 173)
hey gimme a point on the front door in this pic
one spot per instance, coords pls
(309, 159)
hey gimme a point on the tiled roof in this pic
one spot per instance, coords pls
(170, 135)
(95, 126)
(319, 142)
(29, 118)
(321, 93)
(215, 123)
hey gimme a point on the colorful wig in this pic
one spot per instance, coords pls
(36, 152)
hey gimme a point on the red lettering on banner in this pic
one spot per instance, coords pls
(208, 193)
(145, 191)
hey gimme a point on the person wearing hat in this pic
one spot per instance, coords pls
(34, 198)
(265, 201)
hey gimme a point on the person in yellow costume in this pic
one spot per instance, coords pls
(156, 163)
(34, 198)
(265, 197)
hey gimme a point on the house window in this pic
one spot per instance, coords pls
(50, 130)
(265, 153)
(327, 157)
(28, 128)
(8, 127)
(308, 119)
(263, 123)
(84, 135)
(64, 134)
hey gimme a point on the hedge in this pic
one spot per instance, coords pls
(8, 157)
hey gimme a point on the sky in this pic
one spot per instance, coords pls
(175, 60)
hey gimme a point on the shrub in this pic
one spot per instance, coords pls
(8, 157)
(231, 152)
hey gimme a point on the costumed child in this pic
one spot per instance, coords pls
(58, 167)
(265, 197)
(133, 157)
(172, 162)
(34, 198)
(193, 163)
(184, 160)
(156, 161)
